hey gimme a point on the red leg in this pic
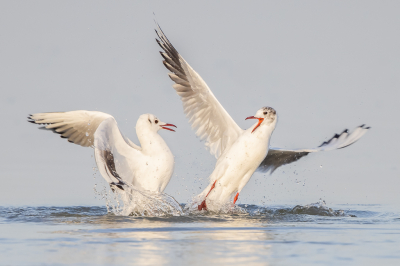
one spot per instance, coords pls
(236, 197)
(212, 187)
(203, 205)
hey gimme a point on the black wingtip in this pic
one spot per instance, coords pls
(43, 128)
(113, 184)
(362, 125)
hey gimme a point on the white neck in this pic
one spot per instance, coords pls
(263, 131)
(150, 141)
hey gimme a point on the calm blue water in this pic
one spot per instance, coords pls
(302, 235)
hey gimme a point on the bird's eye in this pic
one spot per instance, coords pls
(156, 121)
(265, 112)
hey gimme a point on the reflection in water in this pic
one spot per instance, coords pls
(161, 245)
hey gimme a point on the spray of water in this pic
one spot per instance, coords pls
(134, 202)
(223, 207)
(131, 201)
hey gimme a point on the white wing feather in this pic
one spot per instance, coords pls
(76, 126)
(207, 116)
(115, 158)
(115, 154)
(277, 157)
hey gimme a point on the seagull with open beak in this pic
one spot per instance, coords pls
(119, 160)
(239, 152)
(238, 163)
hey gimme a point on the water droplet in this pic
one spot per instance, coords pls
(87, 134)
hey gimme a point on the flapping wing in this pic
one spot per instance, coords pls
(76, 126)
(277, 157)
(115, 158)
(207, 116)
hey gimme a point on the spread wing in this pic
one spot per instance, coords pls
(115, 155)
(76, 126)
(277, 157)
(207, 116)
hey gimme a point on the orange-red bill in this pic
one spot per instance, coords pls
(260, 120)
(168, 125)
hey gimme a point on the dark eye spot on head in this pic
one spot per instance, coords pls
(156, 121)
(265, 112)
(149, 120)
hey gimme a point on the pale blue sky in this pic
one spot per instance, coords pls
(324, 66)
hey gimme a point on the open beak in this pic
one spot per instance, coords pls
(260, 120)
(168, 125)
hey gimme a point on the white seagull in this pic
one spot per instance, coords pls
(239, 152)
(120, 161)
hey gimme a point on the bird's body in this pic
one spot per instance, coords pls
(239, 152)
(237, 164)
(156, 164)
(120, 161)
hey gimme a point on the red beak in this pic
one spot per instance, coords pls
(168, 125)
(260, 120)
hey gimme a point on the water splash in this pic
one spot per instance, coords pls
(134, 202)
(227, 208)
(318, 208)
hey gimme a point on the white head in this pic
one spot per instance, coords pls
(266, 117)
(149, 122)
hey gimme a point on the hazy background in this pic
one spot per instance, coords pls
(324, 66)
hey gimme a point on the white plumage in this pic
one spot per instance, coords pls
(239, 152)
(119, 160)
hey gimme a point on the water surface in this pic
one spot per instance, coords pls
(289, 235)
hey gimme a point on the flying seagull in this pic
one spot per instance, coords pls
(119, 160)
(239, 152)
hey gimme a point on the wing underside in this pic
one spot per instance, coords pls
(76, 126)
(208, 118)
(115, 154)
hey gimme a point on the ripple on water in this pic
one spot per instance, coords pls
(243, 213)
